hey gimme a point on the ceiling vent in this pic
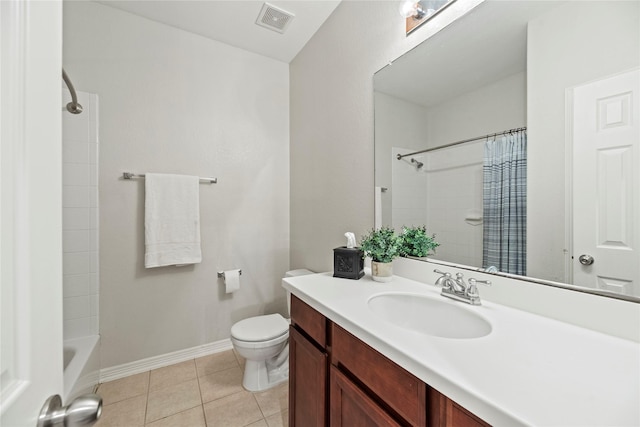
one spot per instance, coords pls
(274, 18)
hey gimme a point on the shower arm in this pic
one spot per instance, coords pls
(73, 107)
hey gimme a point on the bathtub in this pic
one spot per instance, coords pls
(81, 359)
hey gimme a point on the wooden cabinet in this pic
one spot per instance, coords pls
(350, 406)
(444, 412)
(394, 387)
(337, 380)
(308, 363)
(307, 382)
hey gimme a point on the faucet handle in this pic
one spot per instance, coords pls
(444, 279)
(472, 290)
(472, 281)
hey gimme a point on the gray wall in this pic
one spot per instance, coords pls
(175, 102)
(492, 108)
(332, 177)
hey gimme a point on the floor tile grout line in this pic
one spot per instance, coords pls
(204, 415)
(259, 407)
(185, 410)
(174, 383)
(146, 405)
(224, 397)
(221, 370)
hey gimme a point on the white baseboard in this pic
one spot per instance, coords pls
(155, 362)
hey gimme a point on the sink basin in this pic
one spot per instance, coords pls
(429, 316)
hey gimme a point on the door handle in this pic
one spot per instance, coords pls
(83, 411)
(586, 259)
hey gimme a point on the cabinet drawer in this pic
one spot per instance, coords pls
(402, 392)
(309, 320)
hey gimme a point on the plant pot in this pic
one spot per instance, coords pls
(382, 271)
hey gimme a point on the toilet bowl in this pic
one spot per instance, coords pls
(264, 343)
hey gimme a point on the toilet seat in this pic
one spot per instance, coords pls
(260, 328)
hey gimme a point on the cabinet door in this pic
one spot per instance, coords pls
(351, 407)
(444, 412)
(398, 389)
(307, 382)
(457, 416)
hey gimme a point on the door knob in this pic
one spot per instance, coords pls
(83, 411)
(586, 259)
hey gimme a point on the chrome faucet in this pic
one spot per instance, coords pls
(445, 280)
(456, 288)
(458, 284)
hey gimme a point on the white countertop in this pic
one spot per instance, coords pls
(530, 370)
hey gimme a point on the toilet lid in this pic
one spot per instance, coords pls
(260, 328)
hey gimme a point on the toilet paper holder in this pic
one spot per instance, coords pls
(221, 274)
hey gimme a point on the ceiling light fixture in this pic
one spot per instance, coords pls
(411, 9)
(417, 12)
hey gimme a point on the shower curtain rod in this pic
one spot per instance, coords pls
(73, 107)
(400, 156)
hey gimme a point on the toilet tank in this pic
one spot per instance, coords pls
(294, 273)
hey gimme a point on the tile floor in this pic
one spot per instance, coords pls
(204, 392)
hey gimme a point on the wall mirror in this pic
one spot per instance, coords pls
(566, 72)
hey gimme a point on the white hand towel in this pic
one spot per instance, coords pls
(377, 205)
(171, 220)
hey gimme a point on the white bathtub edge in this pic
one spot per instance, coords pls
(83, 372)
(155, 362)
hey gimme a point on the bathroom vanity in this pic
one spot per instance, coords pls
(365, 387)
(352, 363)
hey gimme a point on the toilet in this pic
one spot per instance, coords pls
(264, 343)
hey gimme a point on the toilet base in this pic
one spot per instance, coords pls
(259, 376)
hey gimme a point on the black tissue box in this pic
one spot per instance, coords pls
(348, 263)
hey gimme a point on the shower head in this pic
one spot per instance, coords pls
(418, 164)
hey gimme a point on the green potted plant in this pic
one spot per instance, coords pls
(416, 242)
(382, 246)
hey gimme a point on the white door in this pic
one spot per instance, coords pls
(30, 208)
(606, 184)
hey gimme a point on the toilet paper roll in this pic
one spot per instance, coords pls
(231, 280)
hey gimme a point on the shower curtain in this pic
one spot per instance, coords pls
(505, 203)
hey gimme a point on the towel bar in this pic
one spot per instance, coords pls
(129, 175)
